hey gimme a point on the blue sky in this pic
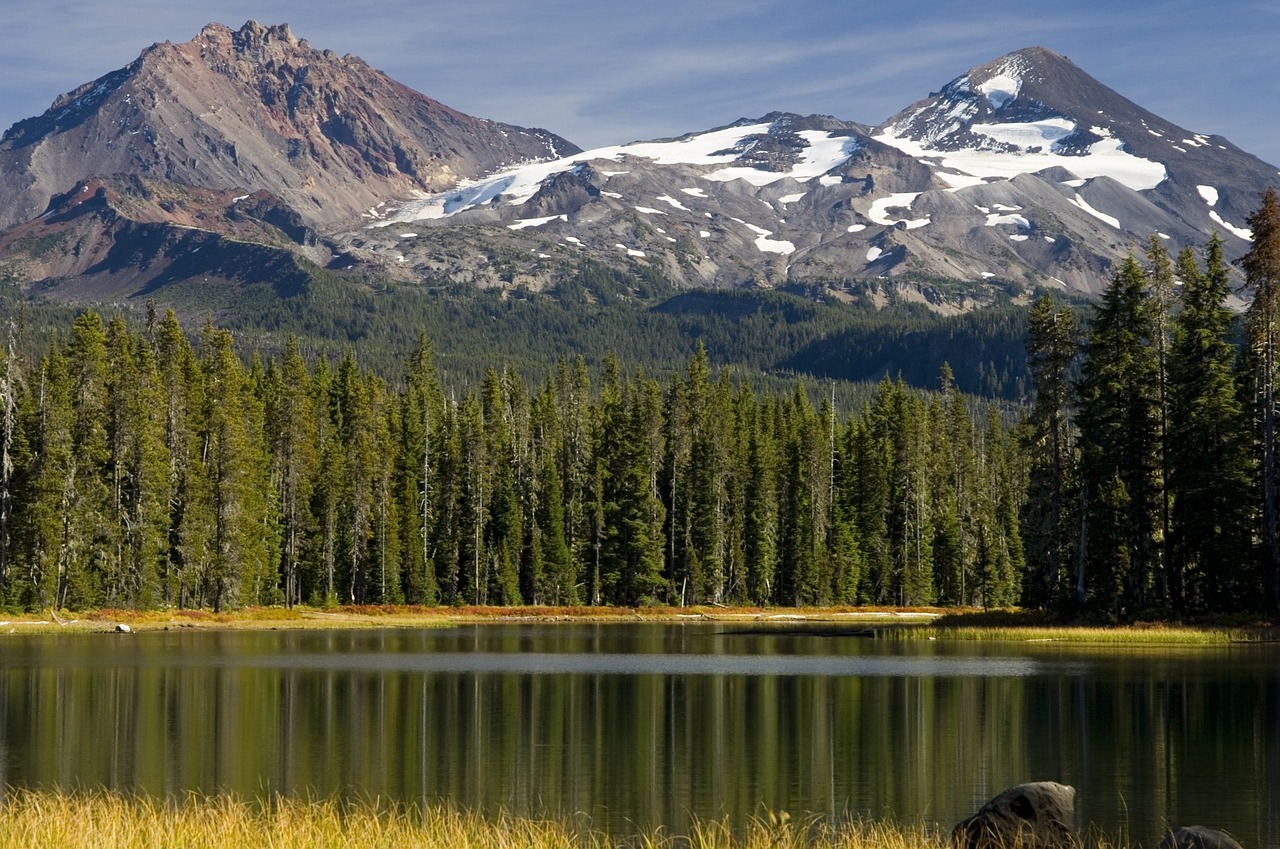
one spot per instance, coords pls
(600, 72)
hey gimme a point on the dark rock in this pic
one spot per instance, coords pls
(1030, 816)
(1198, 837)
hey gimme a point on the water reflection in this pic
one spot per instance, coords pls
(644, 725)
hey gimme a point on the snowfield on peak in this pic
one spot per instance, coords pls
(823, 152)
(1035, 147)
(1001, 89)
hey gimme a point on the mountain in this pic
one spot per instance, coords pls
(257, 109)
(1024, 172)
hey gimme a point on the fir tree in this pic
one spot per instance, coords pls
(1052, 348)
(1119, 431)
(1261, 265)
(1208, 447)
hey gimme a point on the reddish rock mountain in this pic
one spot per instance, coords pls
(256, 110)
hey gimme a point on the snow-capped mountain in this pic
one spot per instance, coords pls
(1022, 172)
(1024, 169)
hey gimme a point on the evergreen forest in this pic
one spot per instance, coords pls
(149, 466)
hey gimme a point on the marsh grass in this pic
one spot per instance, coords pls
(1127, 635)
(1023, 626)
(109, 820)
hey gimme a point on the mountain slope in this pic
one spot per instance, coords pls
(1024, 170)
(257, 109)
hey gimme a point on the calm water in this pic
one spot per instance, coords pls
(638, 725)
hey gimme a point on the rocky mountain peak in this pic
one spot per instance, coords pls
(258, 109)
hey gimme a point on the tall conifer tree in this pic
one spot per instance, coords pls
(1119, 431)
(1261, 265)
(1208, 446)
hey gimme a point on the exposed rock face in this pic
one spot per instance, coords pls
(1024, 172)
(1198, 837)
(1030, 816)
(257, 109)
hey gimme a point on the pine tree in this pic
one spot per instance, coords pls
(1119, 421)
(356, 417)
(1261, 265)
(422, 413)
(1052, 348)
(761, 505)
(138, 469)
(290, 418)
(87, 494)
(1210, 469)
(46, 498)
(235, 470)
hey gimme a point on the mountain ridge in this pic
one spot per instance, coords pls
(257, 107)
(1024, 172)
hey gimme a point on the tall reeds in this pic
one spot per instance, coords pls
(108, 820)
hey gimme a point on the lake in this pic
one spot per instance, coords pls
(634, 726)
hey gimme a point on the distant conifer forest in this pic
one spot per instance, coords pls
(151, 467)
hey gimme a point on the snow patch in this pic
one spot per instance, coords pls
(648, 210)
(1028, 135)
(535, 222)
(873, 254)
(764, 243)
(879, 210)
(1001, 89)
(1101, 216)
(856, 228)
(1019, 237)
(824, 151)
(792, 198)
(1209, 193)
(830, 180)
(1242, 232)
(674, 203)
(1035, 147)
(996, 219)
(959, 181)
(697, 193)
(408, 235)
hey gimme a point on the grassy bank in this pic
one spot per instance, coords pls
(408, 616)
(102, 820)
(906, 623)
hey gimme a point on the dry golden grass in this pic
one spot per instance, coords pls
(104, 820)
(910, 623)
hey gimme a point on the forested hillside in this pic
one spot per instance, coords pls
(142, 469)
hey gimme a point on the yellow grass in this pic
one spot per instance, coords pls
(1145, 636)
(409, 616)
(910, 623)
(105, 820)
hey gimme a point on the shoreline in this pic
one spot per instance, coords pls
(404, 616)
(906, 623)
